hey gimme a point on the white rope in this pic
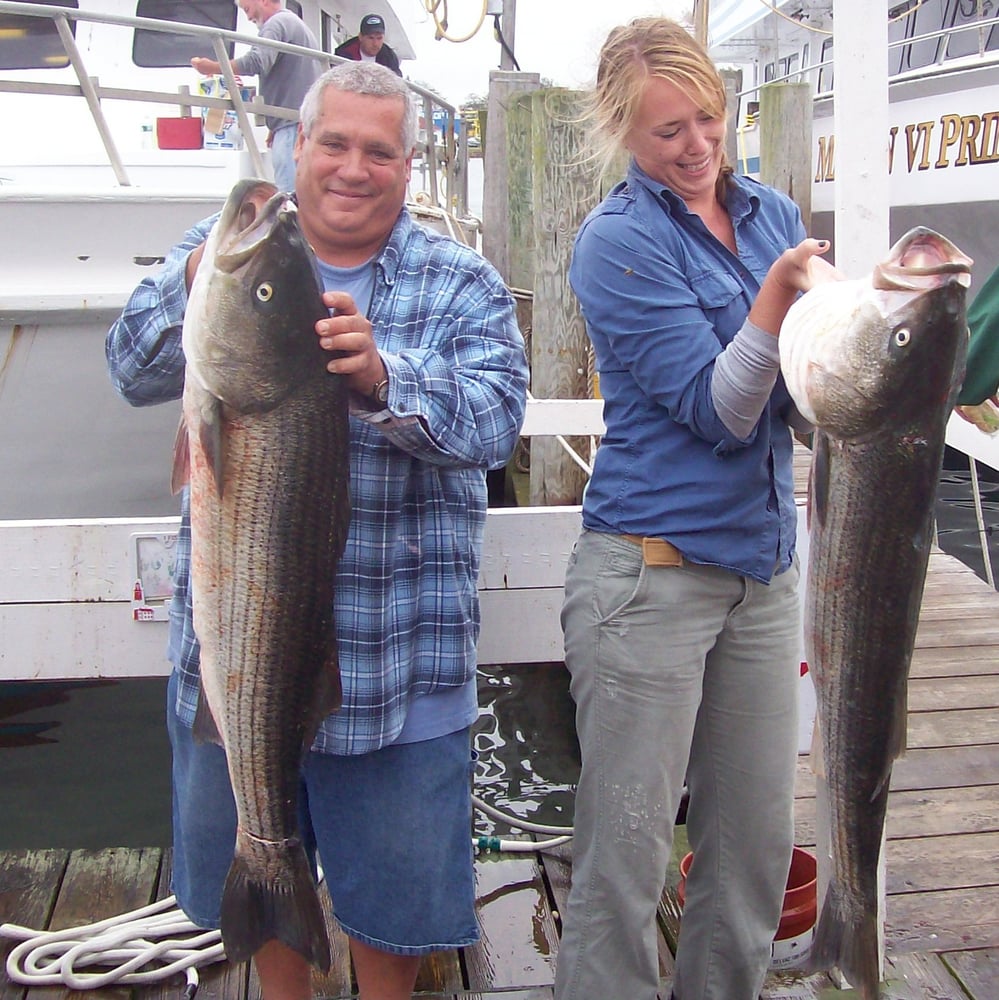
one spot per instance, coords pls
(126, 943)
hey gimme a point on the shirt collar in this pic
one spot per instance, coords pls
(742, 201)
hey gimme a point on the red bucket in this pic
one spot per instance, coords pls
(793, 939)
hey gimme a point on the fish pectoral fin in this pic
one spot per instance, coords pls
(210, 440)
(205, 728)
(818, 480)
(181, 473)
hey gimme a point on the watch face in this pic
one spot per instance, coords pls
(381, 391)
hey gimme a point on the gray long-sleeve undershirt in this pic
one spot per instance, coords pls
(744, 376)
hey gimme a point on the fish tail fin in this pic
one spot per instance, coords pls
(847, 941)
(255, 911)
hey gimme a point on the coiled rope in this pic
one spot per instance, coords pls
(158, 934)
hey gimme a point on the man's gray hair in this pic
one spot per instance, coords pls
(366, 78)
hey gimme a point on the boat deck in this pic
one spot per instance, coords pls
(942, 926)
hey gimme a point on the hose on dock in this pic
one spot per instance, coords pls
(558, 834)
(127, 943)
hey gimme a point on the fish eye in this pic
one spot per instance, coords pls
(902, 336)
(265, 291)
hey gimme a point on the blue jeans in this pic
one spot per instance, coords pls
(283, 157)
(393, 831)
(677, 671)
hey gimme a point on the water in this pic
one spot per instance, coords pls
(87, 764)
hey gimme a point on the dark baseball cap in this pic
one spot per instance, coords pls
(372, 24)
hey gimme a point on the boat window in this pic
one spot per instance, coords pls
(923, 20)
(899, 29)
(294, 7)
(965, 43)
(28, 42)
(165, 48)
(329, 40)
(826, 73)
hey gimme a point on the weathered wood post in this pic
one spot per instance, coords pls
(566, 187)
(786, 142)
(503, 89)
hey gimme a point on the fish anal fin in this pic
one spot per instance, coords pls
(256, 911)
(205, 728)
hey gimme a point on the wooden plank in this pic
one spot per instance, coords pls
(943, 921)
(919, 977)
(98, 885)
(954, 661)
(929, 864)
(971, 632)
(951, 728)
(527, 547)
(934, 813)
(519, 936)
(520, 626)
(953, 767)
(29, 887)
(977, 971)
(980, 691)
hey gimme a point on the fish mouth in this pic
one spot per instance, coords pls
(920, 261)
(248, 222)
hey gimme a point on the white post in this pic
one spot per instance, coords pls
(860, 119)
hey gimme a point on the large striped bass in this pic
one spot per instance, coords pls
(266, 439)
(876, 365)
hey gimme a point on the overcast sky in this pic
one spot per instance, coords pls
(559, 39)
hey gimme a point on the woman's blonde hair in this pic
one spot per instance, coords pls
(649, 47)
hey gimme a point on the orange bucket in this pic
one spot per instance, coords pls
(793, 940)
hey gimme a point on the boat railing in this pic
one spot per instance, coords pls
(942, 60)
(443, 165)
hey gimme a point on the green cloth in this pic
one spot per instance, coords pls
(982, 377)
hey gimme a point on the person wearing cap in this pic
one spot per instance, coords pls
(284, 77)
(369, 45)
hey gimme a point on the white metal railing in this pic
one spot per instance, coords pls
(444, 166)
(943, 61)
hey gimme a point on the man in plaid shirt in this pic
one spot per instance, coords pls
(425, 335)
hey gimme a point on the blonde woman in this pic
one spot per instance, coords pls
(681, 611)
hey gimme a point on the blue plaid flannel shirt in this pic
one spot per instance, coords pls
(406, 605)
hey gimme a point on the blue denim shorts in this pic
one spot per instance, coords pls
(393, 831)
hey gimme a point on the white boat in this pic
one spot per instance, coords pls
(93, 94)
(943, 92)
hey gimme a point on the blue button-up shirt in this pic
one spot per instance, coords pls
(662, 298)
(406, 605)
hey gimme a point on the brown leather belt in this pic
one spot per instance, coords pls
(656, 551)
